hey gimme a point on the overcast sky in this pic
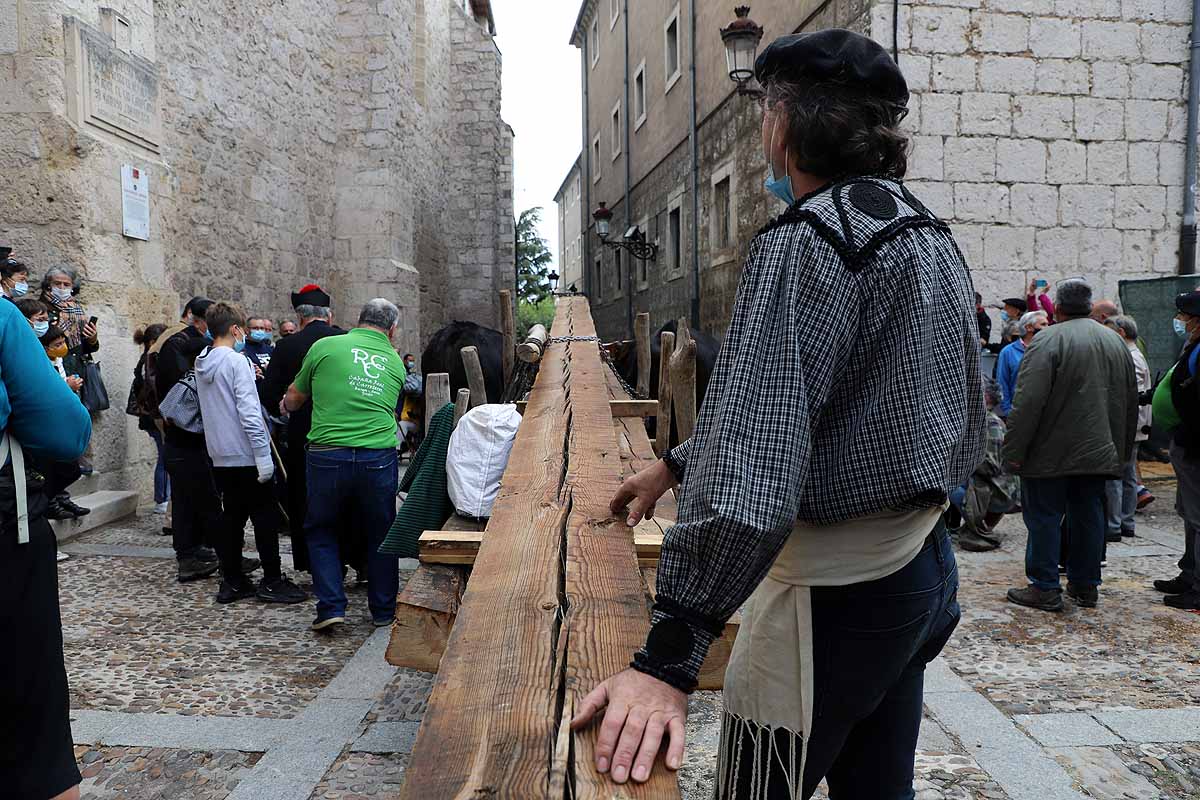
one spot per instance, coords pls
(541, 100)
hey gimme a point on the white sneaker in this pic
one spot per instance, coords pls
(161, 508)
(61, 556)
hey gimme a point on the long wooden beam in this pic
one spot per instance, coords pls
(554, 605)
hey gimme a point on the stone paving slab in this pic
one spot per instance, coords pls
(1154, 725)
(155, 773)
(387, 737)
(1104, 773)
(248, 734)
(1067, 730)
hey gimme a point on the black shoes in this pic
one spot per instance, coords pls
(1188, 601)
(1112, 538)
(1177, 585)
(249, 565)
(281, 590)
(57, 512)
(194, 569)
(229, 593)
(1084, 596)
(1033, 597)
(321, 624)
(77, 510)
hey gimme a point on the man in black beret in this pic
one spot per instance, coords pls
(312, 305)
(815, 482)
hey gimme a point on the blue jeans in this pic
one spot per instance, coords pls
(162, 481)
(871, 643)
(359, 484)
(1046, 501)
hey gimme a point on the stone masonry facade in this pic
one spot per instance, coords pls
(336, 141)
(1050, 133)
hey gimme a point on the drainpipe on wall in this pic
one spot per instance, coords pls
(628, 257)
(585, 179)
(1187, 233)
(695, 142)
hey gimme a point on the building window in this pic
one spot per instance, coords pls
(598, 280)
(642, 267)
(619, 272)
(616, 130)
(595, 42)
(671, 46)
(722, 230)
(614, 11)
(596, 159)
(639, 96)
(675, 240)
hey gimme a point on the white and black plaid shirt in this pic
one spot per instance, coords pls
(848, 384)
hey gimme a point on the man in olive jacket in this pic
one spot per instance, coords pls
(1072, 426)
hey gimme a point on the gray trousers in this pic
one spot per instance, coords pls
(1187, 503)
(1120, 501)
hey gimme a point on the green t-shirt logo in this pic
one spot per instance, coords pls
(373, 365)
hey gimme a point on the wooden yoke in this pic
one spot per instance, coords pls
(554, 605)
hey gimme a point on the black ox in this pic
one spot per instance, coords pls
(443, 354)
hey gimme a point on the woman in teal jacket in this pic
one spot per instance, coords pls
(41, 419)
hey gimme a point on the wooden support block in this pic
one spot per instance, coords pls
(425, 613)
(662, 440)
(461, 405)
(641, 338)
(437, 394)
(530, 351)
(460, 548)
(470, 359)
(508, 330)
(683, 382)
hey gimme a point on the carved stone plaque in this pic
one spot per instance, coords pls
(110, 90)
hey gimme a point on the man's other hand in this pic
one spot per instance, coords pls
(638, 711)
(639, 492)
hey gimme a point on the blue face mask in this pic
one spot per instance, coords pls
(239, 344)
(40, 328)
(1180, 328)
(780, 187)
(260, 336)
(20, 289)
(1004, 316)
(208, 335)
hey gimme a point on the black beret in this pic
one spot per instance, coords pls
(1017, 303)
(311, 295)
(1189, 302)
(833, 55)
(5, 252)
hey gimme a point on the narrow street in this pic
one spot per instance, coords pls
(176, 697)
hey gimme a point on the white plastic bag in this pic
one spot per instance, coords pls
(477, 456)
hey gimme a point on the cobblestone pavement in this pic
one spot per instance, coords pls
(176, 697)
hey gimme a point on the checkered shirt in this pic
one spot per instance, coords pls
(848, 385)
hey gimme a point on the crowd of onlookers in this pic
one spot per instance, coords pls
(1071, 401)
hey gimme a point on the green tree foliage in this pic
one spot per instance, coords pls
(533, 259)
(530, 314)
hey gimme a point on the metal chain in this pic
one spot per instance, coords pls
(557, 339)
(629, 390)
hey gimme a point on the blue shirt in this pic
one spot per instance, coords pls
(1007, 367)
(36, 405)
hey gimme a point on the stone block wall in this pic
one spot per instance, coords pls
(339, 141)
(1048, 132)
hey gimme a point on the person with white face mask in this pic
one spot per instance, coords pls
(14, 279)
(59, 288)
(815, 481)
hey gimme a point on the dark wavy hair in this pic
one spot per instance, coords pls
(839, 131)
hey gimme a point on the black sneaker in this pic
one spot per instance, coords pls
(77, 510)
(1129, 534)
(1033, 597)
(193, 569)
(56, 511)
(1085, 596)
(1177, 585)
(325, 623)
(281, 590)
(229, 593)
(1112, 537)
(1189, 601)
(203, 553)
(249, 565)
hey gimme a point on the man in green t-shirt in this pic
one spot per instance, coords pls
(354, 382)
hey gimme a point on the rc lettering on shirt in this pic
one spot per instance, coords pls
(370, 362)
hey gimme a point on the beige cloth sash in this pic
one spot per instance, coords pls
(9, 444)
(769, 680)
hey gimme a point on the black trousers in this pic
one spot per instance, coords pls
(297, 500)
(36, 754)
(242, 499)
(196, 506)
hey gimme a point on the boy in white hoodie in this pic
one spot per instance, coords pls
(238, 444)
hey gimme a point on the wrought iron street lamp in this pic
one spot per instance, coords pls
(634, 241)
(553, 277)
(741, 38)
